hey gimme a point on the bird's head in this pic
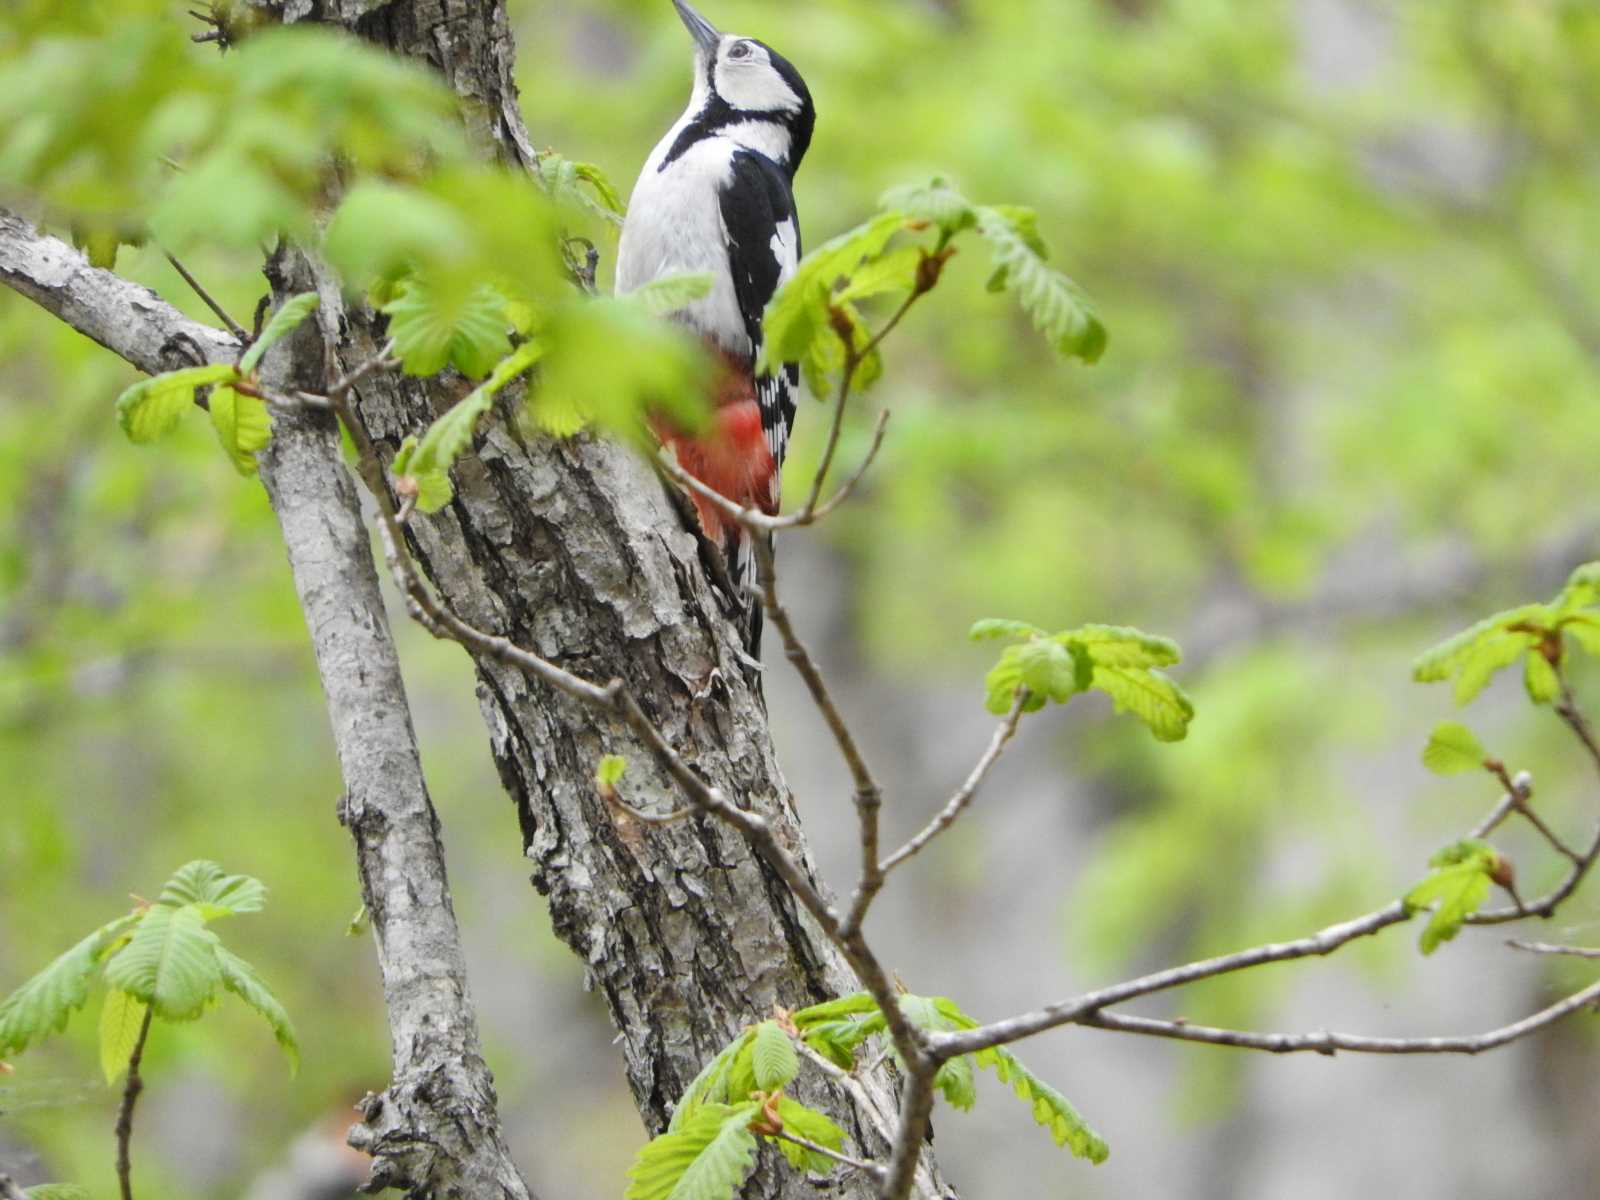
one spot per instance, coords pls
(741, 79)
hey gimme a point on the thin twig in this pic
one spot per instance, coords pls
(958, 803)
(916, 1108)
(221, 313)
(1550, 948)
(1520, 792)
(876, 1170)
(1332, 1043)
(130, 1097)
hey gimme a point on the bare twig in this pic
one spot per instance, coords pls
(210, 302)
(1549, 948)
(876, 1170)
(958, 803)
(916, 1109)
(130, 1097)
(1520, 793)
(1332, 1043)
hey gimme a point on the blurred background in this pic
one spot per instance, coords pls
(1349, 254)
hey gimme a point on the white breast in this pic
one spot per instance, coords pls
(675, 227)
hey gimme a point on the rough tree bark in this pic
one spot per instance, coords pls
(574, 550)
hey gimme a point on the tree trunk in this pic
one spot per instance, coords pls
(574, 550)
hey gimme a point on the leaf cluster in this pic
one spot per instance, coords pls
(1121, 662)
(1456, 888)
(152, 408)
(814, 318)
(159, 960)
(1536, 633)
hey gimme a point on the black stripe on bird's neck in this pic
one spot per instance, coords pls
(715, 116)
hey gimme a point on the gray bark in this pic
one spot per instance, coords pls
(436, 1129)
(574, 550)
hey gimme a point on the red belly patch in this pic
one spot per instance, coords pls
(731, 455)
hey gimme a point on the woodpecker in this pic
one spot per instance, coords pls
(716, 196)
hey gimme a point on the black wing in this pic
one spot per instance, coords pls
(763, 249)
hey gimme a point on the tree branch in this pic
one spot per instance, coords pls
(1332, 1043)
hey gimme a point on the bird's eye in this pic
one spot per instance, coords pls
(740, 50)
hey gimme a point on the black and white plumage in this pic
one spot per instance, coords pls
(716, 196)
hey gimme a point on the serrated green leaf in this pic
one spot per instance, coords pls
(1149, 695)
(284, 322)
(1457, 888)
(665, 296)
(895, 271)
(151, 408)
(121, 1018)
(935, 202)
(1581, 591)
(563, 179)
(610, 771)
(213, 891)
(1048, 668)
(1050, 1108)
(1585, 631)
(990, 628)
(1452, 749)
(709, 1158)
(42, 1005)
(955, 1081)
(243, 426)
(432, 329)
(1475, 655)
(711, 1085)
(170, 962)
(1058, 307)
(814, 1127)
(610, 363)
(428, 462)
(1539, 678)
(797, 315)
(1120, 646)
(240, 978)
(824, 361)
(773, 1057)
(835, 1028)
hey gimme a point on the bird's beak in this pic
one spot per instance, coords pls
(704, 32)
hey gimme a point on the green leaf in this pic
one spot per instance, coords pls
(609, 772)
(896, 271)
(57, 1191)
(711, 1085)
(170, 962)
(1475, 655)
(1457, 887)
(1453, 749)
(284, 322)
(1048, 668)
(708, 1158)
(934, 202)
(121, 1018)
(563, 179)
(815, 1127)
(1050, 1108)
(1586, 632)
(1582, 590)
(1119, 646)
(835, 1028)
(665, 296)
(1149, 695)
(214, 892)
(611, 363)
(1005, 677)
(42, 1005)
(1540, 679)
(151, 408)
(427, 463)
(240, 978)
(1058, 307)
(432, 329)
(990, 628)
(242, 426)
(773, 1056)
(797, 316)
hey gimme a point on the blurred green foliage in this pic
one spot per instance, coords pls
(1353, 281)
